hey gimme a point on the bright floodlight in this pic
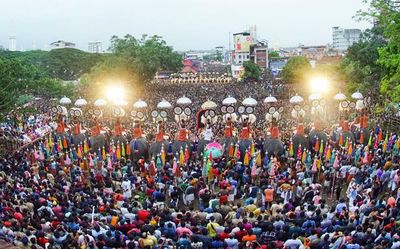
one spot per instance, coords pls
(115, 93)
(319, 85)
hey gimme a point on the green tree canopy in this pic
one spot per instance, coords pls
(133, 61)
(251, 71)
(296, 70)
(18, 78)
(65, 63)
(273, 54)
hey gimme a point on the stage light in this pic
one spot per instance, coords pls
(319, 85)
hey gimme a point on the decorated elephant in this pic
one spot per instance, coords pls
(340, 137)
(227, 142)
(316, 134)
(155, 148)
(78, 135)
(300, 139)
(97, 142)
(139, 148)
(273, 145)
(118, 133)
(360, 130)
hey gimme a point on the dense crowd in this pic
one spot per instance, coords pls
(344, 200)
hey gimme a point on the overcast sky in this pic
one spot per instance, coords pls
(184, 24)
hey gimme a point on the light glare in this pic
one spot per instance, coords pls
(319, 85)
(115, 94)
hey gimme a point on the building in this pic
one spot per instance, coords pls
(61, 44)
(342, 39)
(259, 54)
(95, 47)
(12, 43)
(241, 52)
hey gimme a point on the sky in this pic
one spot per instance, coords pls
(183, 24)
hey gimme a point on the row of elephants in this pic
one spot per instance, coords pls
(148, 148)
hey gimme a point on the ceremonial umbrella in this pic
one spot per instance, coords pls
(229, 101)
(270, 99)
(164, 104)
(184, 101)
(80, 102)
(100, 102)
(140, 104)
(215, 149)
(296, 99)
(65, 101)
(249, 102)
(209, 105)
(340, 96)
(357, 95)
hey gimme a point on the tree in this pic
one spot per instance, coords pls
(251, 71)
(386, 17)
(133, 62)
(273, 54)
(18, 78)
(296, 70)
(66, 63)
(360, 67)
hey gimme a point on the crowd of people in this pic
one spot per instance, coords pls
(333, 200)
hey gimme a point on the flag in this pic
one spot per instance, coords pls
(350, 150)
(162, 154)
(304, 156)
(253, 168)
(365, 159)
(326, 149)
(370, 140)
(181, 157)
(380, 135)
(231, 150)
(187, 154)
(321, 148)
(340, 140)
(103, 153)
(328, 154)
(362, 137)
(118, 152)
(79, 151)
(65, 144)
(128, 149)
(91, 164)
(291, 152)
(316, 146)
(246, 158)
(314, 167)
(258, 159)
(347, 143)
(60, 145)
(159, 162)
(123, 150)
(336, 162)
(376, 144)
(237, 151)
(85, 146)
(109, 163)
(252, 150)
(175, 169)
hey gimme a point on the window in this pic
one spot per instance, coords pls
(239, 56)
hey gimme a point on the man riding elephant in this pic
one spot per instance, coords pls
(273, 145)
(245, 137)
(300, 139)
(118, 131)
(156, 146)
(361, 129)
(97, 139)
(229, 139)
(138, 144)
(181, 139)
(344, 134)
(78, 136)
